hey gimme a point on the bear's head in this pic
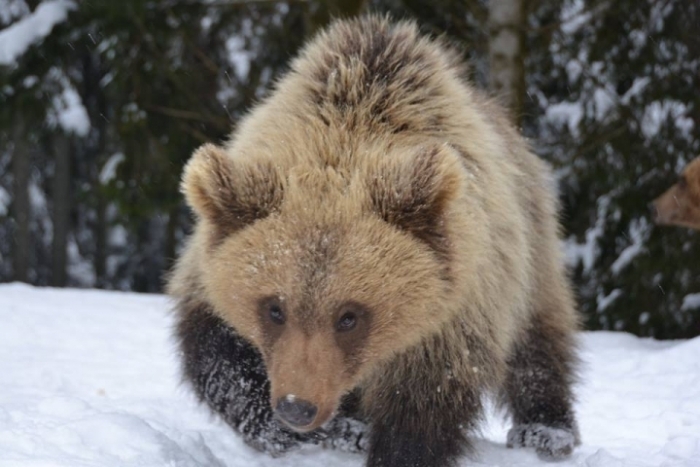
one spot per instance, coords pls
(328, 271)
(680, 204)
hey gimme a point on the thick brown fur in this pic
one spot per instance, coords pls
(680, 204)
(375, 179)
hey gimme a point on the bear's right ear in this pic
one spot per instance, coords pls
(228, 194)
(413, 192)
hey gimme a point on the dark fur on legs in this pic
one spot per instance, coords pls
(424, 424)
(398, 441)
(228, 374)
(538, 391)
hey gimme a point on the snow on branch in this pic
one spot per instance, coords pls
(638, 232)
(67, 110)
(16, 39)
(12, 9)
(691, 302)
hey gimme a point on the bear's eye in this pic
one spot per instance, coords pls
(276, 314)
(347, 322)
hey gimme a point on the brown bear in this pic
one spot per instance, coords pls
(376, 250)
(680, 204)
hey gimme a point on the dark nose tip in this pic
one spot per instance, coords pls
(296, 412)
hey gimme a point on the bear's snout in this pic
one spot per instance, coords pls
(297, 413)
(306, 382)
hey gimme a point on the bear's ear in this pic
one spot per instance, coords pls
(413, 191)
(230, 195)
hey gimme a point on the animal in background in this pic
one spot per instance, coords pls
(680, 204)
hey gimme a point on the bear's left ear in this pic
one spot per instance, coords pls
(413, 192)
(227, 193)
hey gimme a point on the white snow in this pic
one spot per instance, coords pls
(656, 113)
(4, 202)
(18, 37)
(239, 57)
(603, 102)
(604, 301)
(569, 113)
(11, 9)
(574, 16)
(637, 88)
(67, 109)
(587, 252)
(573, 70)
(691, 302)
(71, 113)
(638, 232)
(80, 269)
(109, 170)
(40, 211)
(91, 378)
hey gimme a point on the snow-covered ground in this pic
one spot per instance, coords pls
(90, 378)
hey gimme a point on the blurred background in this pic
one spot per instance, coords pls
(102, 102)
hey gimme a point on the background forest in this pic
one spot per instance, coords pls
(102, 102)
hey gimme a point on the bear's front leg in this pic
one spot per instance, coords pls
(228, 374)
(538, 388)
(398, 442)
(420, 414)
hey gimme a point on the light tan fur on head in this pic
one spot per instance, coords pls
(680, 204)
(374, 179)
(335, 239)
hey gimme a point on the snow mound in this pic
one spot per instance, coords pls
(91, 378)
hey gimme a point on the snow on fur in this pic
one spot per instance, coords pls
(90, 378)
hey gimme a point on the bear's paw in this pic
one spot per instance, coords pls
(274, 441)
(550, 443)
(346, 434)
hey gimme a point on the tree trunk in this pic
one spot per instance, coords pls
(95, 103)
(21, 168)
(100, 259)
(140, 277)
(171, 238)
(61, 209)
(506, 53)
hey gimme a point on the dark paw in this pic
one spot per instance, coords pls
(273, 447)
(345, 434)
(551, 444)
(274, 440)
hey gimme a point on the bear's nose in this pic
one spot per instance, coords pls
(296, 412)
